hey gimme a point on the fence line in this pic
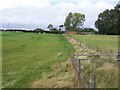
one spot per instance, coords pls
(80, 78)
(83, 82)
(92, 81)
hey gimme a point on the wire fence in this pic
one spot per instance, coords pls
(79, 70)
(94, 67)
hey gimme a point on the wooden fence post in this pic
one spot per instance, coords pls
(73, 63)
(72, 56)
(97, 49)
(83, 82)
(118, 56)
(78, 72)
(92, 82)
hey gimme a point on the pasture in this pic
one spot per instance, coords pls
(43, 60)
(104, 68)
(104, 42)
(27, 56)
(0, 60)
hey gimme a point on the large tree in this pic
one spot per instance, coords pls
(50, 27)
(74, 21)
(107, 22)
(60, 27)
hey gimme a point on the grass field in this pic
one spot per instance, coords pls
(104, 42)
(105, 70)
(26, 56)
(32, 60)
(0, 60)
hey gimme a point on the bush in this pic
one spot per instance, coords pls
(38, 30)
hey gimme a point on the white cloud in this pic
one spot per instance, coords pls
(35, 3)
(42, 12)
(84, 4)
(7, 4)
(23, 3)
(103, 5)
(91, 10)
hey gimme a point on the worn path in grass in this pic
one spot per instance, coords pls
(106, 72)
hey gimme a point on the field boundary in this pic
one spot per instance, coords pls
(97, 48)
(84, 52)
(77, 67)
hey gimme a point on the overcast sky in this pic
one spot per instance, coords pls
(29, 14)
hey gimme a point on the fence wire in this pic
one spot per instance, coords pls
(95, 70)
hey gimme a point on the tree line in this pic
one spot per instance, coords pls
(108, 22)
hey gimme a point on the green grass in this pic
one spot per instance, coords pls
(104, 42)
(105, 71)
(0, 60)
(26, 56)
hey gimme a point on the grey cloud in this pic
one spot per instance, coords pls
(32, 17)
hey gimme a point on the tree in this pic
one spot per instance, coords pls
(50, 26)
(74, 21)
(60, 27)
(117, 7)
(118, 12)
(39, 30)
(55, 29)
(107, 22)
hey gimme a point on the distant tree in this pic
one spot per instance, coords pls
(60, 27)
(50, 27)
(55, 29)
(107, 22)
(39, 30)
(88, 29)
(74, 21)
(117, 7)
